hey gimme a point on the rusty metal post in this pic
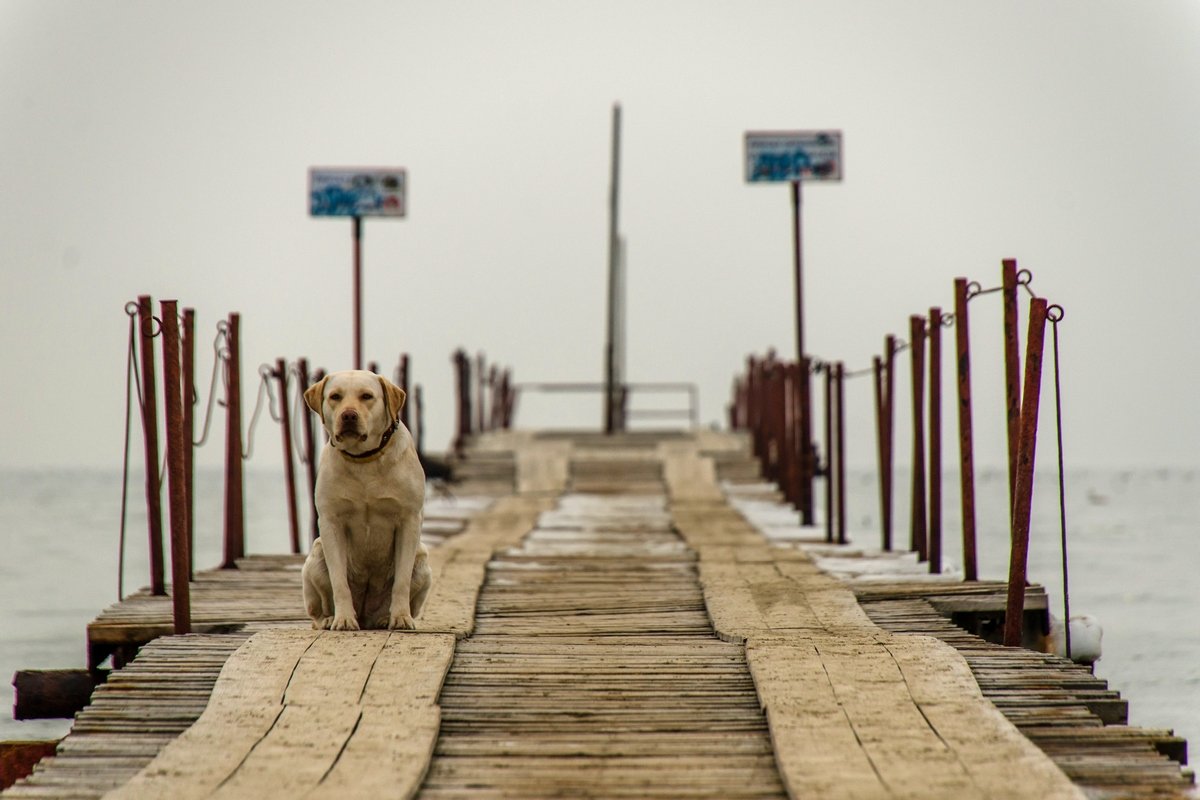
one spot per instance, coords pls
(797, 449)
(463, 384)
(1023, 505)
(176, 478)
(935, 440)
(790, 442)
(419, 418)
(480, 393)
(235, 534)
(496, 399)
(780, 432)
(289, 467)
(966, 442)
(839, 380)
(877, 373)
(917, 523)
(510, 400)
(357, 233)
(188, 344)
(807, 454)
(771, 390)
(887, 478)
(830, 515)
(734, 403)
(808, 460)
(373, 366)
(402, 381)
(150, 436)
(310, 447)
(754, 406)
(1012, 371)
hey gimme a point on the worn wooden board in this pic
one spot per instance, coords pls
(845, 719)
(297, 710)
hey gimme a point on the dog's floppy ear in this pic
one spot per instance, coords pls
(394, 396)
(315, 395)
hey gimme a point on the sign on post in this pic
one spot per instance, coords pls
(793, 156)
(354, 192)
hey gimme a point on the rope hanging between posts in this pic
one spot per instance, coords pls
(220, 356)
(299, 412)
(265, 373)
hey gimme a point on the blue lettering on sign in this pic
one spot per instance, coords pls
(780, 166)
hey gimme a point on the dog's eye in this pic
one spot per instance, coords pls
(365, 396)
(336, 396)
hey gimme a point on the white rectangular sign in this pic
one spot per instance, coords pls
(793, 156)
(356, 192)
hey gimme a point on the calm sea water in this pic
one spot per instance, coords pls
(1134, 557)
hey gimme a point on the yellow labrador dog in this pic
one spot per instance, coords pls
(368, 569)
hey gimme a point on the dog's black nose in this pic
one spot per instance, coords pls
(349, 416)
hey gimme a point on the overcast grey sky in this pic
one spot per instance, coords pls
(163, 148)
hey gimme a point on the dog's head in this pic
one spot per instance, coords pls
(356, 407)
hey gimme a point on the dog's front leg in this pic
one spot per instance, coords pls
(335, 545)
(408, 536)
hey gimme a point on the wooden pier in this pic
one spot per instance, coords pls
(607, 624)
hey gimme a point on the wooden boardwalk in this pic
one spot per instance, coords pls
(610, 626)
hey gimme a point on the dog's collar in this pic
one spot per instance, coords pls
(371, 455)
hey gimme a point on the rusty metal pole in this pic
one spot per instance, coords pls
(188, 344)
(1023, 505)
(966, 443)
(789, 441)
(402, 382)
(753, 406)
(935, 440)
(419, 418)
(796, 448)
(289, 467)
(150, 435)
(887, 479)
(877, 374)
(808, 457)
(480, 393)
(1012, 371)
(779, 421)
(310, 448)
(176, 478)
(496, 399)
(917, 523)
(827, 370)
(235, 535)
(840, 437)
(357, 233)
(772, 442)
(462, 373)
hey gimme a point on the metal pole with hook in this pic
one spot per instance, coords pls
(176, 472)
(150, 434)
(1023, 497)
(966, 445)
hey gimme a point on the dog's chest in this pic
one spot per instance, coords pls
(368, 508)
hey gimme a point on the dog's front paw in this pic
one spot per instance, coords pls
(322, 623)
(341, 623)
(403, 622)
